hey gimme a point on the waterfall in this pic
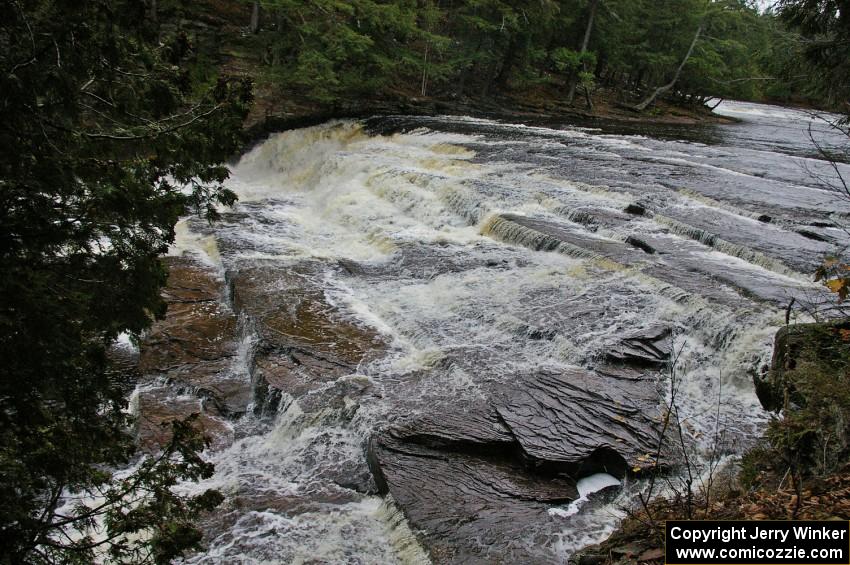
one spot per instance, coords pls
(398, 295)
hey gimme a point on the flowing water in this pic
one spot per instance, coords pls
(477, 251)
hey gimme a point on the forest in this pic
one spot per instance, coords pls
(694, 50)
(116, 120)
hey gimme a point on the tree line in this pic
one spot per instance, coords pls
(692, 50)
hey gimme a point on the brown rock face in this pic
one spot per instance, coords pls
(192, 351)
(157, 408)
(475, 478)
(304, 340)
(195, 345)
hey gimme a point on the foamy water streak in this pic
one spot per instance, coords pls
(407, 235)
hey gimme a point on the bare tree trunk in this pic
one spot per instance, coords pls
(425, 70)
(662, 89)
(255, 17)
(594, 4)
(152, 10)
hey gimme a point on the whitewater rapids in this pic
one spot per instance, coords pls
(478, 251)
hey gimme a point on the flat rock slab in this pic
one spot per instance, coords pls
(304, 340)
(793, 249)
(477, 479)
(186, 361)
(194, 347)
(291, 311)
(191, 333)
(583, 421)
(466, 426)
(470, 508)
(687, 265)
(428, 260)
(155, 410)
(650, 347)
(595, 216)
(545, 235)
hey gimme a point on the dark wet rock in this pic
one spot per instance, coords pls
(635, 209)
(684, 265)
(536, 333)
(228, 393)
(191, 333)
(604, 495)
(640, 244)
(123, 366)
(588, 559)
(255, 500)
(650, 347)
(463, 426)
(751, 241)
(191, 281)
(304, 340)
(544, 235)
(469, 508)
(339, 402)
(581, 421)
(185, 361)
(580, 216)
(471, 476)
(765, 219)
(293, 372)
(195, 345)
(290, 311)
(156, 408)
(594, 216)
(425, 261)
(811, 234)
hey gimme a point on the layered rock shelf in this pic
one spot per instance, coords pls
(186, 361)
(471, 479)
(303, 340)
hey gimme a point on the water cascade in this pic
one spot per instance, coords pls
(448, 347)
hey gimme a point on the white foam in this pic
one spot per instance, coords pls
(585, 486)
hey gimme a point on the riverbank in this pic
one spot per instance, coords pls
(276, 110)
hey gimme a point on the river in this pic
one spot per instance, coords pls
(488, 310)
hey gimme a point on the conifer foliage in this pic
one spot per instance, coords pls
(103, 146)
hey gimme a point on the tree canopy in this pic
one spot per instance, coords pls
(332, 49)
(105, 146)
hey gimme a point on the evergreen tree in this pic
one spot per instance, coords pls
(103, 149)
(825, 27)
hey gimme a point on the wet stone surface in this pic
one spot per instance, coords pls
(304, 342)
(158, 407)
(471, 476)
(186, 361)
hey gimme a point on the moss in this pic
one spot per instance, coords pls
(809, 383)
